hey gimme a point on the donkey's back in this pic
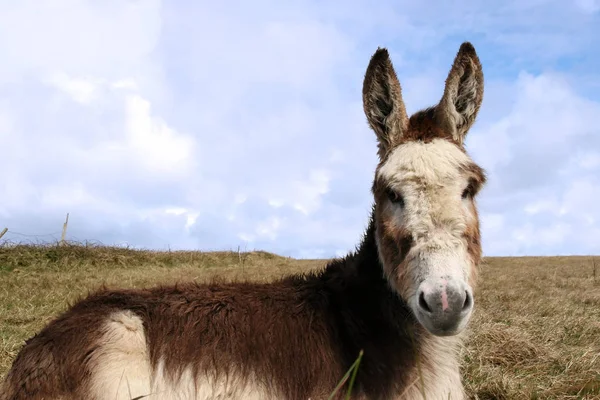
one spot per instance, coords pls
(213, 341)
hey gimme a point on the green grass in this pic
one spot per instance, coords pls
(535, 332)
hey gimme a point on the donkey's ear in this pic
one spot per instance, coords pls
(382, 101)
(463, 94)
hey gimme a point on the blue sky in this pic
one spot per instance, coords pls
(213, 125)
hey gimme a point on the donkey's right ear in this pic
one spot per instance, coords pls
(382, 102)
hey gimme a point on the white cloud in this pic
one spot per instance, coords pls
(306, 196)
(590, 160)
(80, 90)
(581, 200)
(158, 147)
(127, 83)
(76, 37)
(543, 169)
(269, 228)
(194, 126)
(547, 126)
(544, 205)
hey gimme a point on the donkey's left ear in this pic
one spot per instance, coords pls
(463, 94)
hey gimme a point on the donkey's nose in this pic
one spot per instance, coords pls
(444, 305)
(445, 301)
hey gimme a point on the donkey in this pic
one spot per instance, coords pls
(404, 296)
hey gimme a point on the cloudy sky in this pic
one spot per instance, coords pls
(212, 125)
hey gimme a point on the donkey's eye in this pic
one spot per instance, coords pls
(469, 191)
(395, 197)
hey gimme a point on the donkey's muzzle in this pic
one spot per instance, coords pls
(443, 307)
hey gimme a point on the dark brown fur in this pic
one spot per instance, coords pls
(422, 127)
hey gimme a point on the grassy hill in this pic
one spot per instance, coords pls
(535, 333)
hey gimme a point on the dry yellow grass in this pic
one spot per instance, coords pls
(535, 334)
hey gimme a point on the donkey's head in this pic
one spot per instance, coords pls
(427, 227)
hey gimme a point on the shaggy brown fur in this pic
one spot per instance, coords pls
(299, 334)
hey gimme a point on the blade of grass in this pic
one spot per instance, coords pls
(346, 376)
(356, 364)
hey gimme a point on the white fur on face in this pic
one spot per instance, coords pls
(431, 179)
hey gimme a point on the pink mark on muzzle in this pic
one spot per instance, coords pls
(444, 296)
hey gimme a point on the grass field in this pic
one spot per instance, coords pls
(535, 333)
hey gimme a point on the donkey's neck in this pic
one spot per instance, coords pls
(398, 352)
(365, 261)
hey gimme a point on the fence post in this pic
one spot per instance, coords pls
(3, 232)
(64, 231)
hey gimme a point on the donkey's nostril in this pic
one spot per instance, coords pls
(423, 303)
(468, 301)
